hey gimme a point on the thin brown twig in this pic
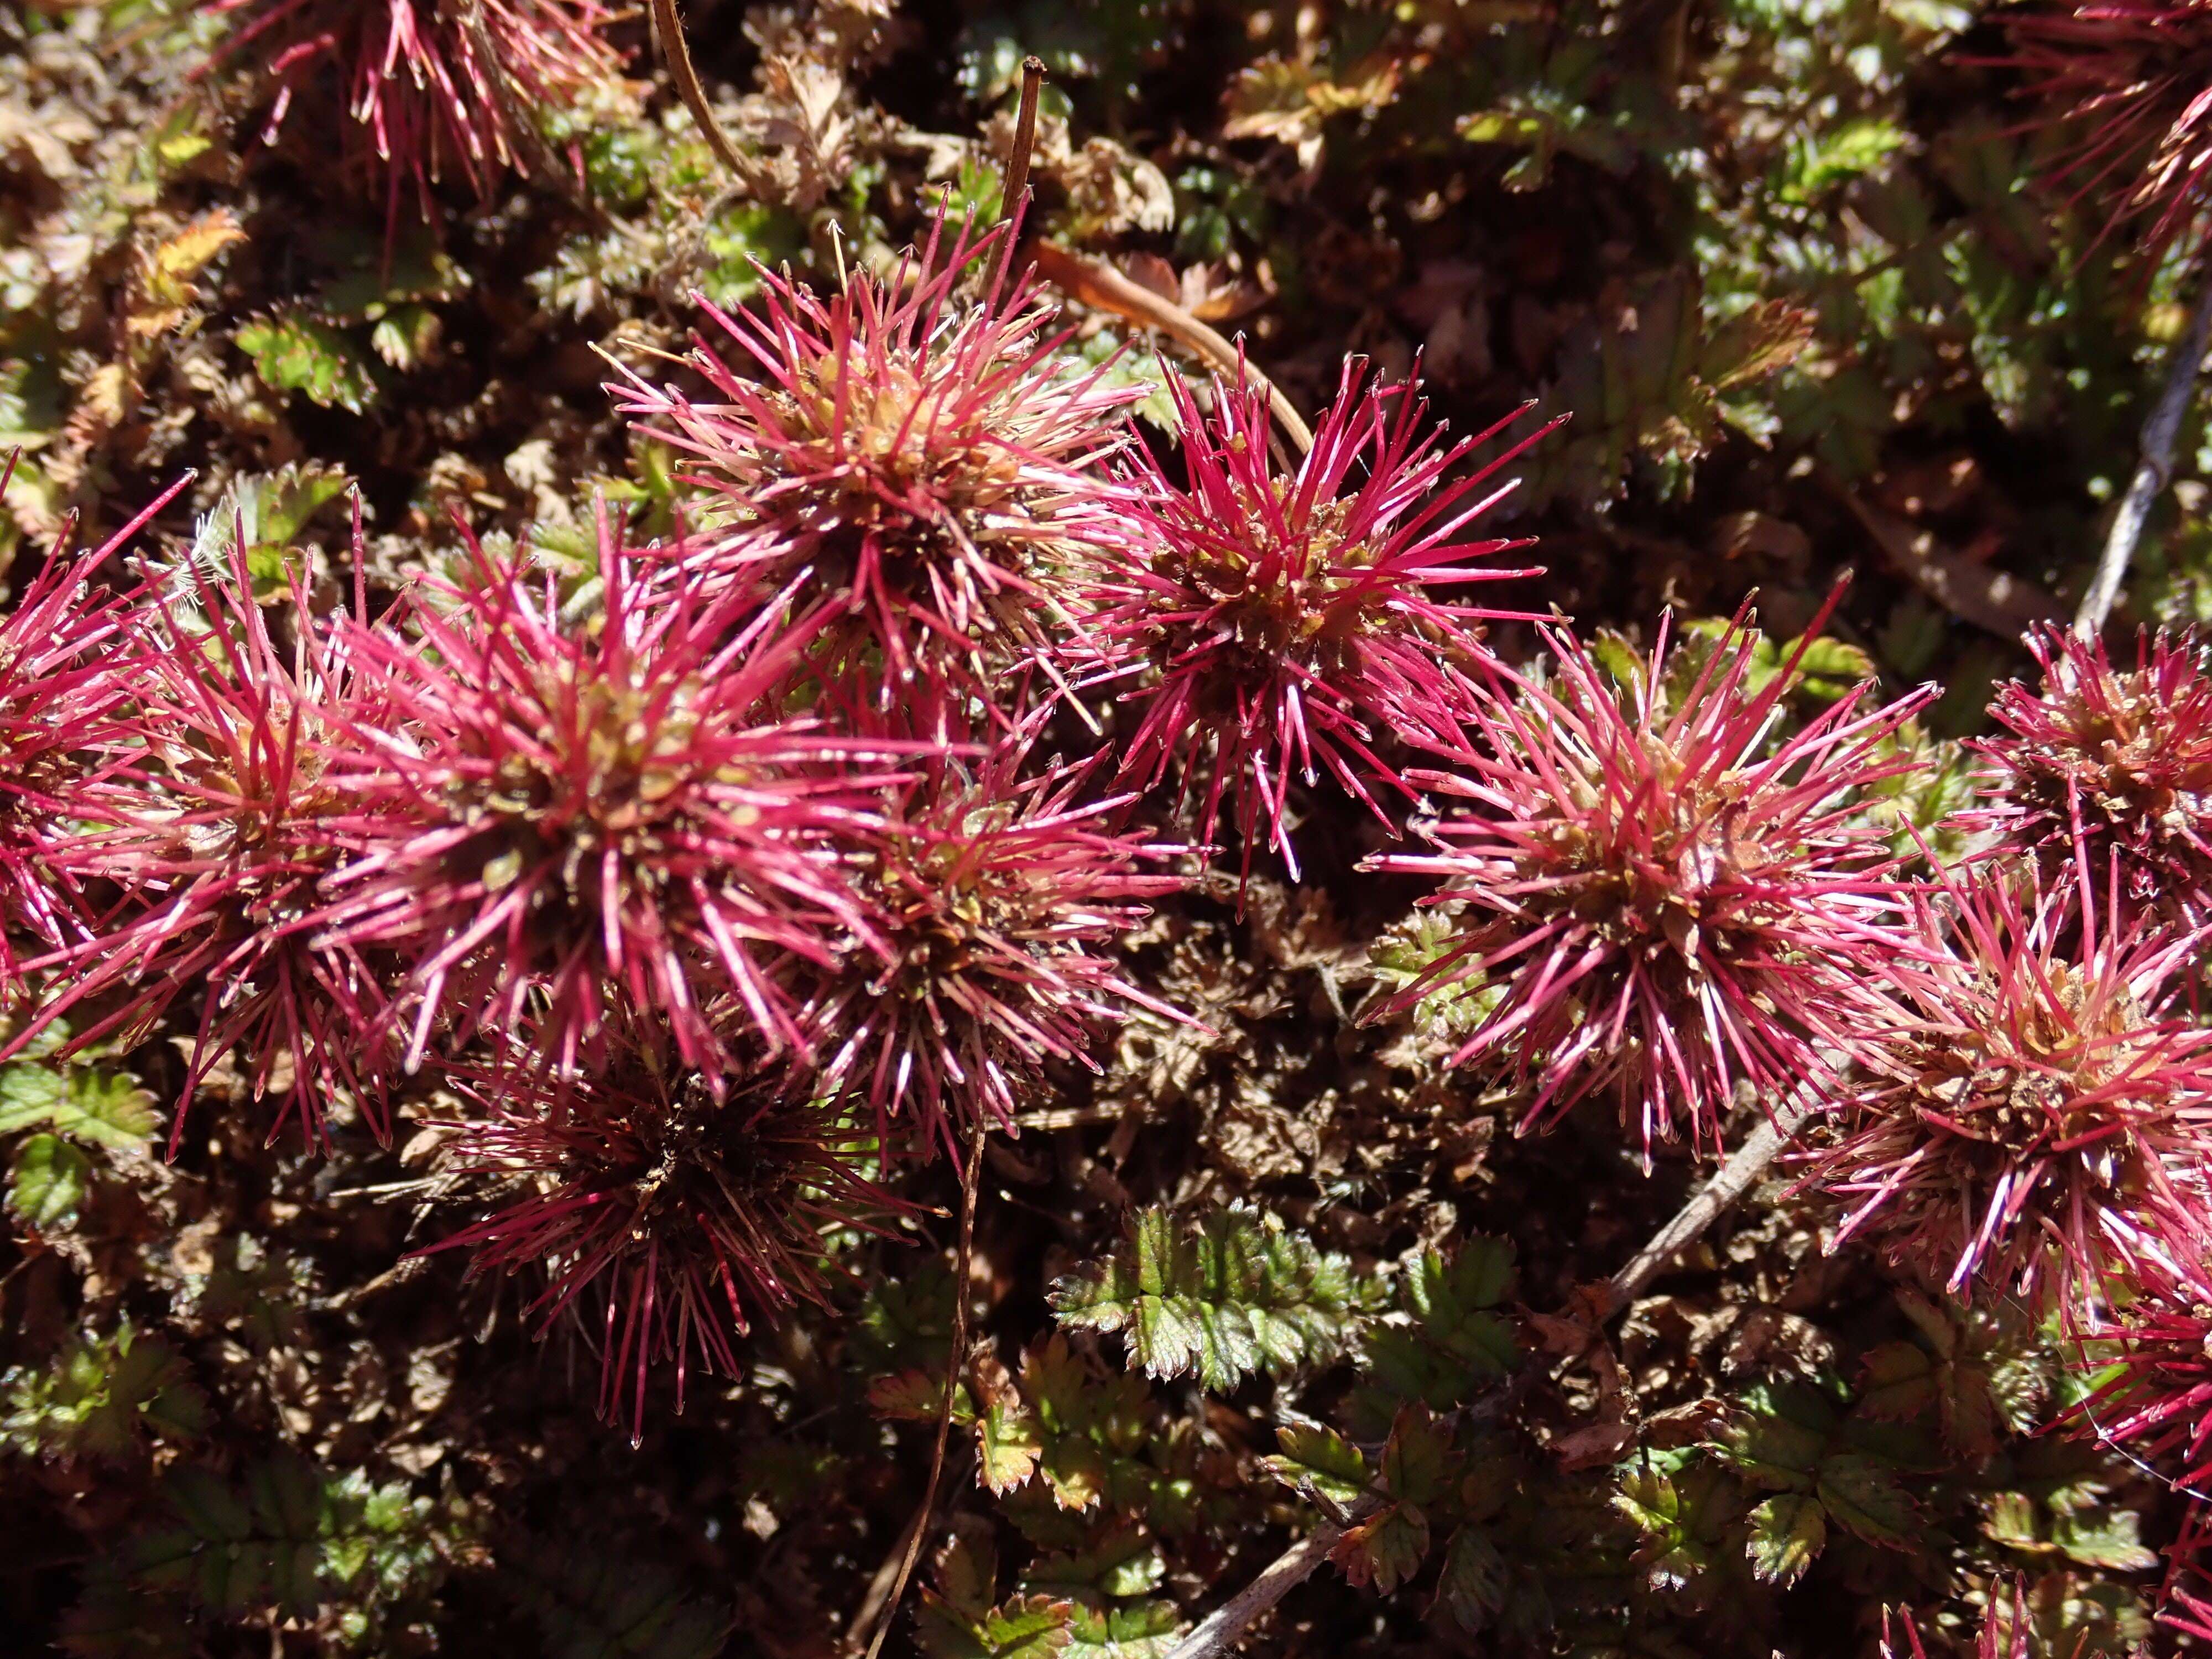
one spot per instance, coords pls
(1296, 1564)
(676, 54)
(2153, 470)
(1013, 193)
(1730, 1182)
(971, 1180)
(1098, 284)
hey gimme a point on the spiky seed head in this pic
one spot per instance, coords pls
(1277, 622)
(570, 811)
(428, 84)
(1661, 899)
(2124, 82)
(922, 465)
(2151, 1358)
(2033, 1113)
(668, 1212)
(995, 900)
(217, 820)
(2116, 762)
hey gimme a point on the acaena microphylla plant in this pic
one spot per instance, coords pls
(2126, 81)
(1662, 898)
(998, 896)
(668, 1213)
(1279, 622)
(2030, 1114)
(429, 83)
(924, 464)
(219, 825)
(565, 810)
(61, 714)
(2116, 760)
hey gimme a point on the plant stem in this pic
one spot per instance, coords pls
(669, 28)
(1012, 195)
(1100, 285)
(2153, 471)
(1295, 1565)
(1730, 1182)
(971, 1180)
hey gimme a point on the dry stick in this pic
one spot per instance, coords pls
(1730, 1182)
(1017, 183)
(971, 1181)
(1295, 1565)
(1100, 285)
(677, 56)
(2153, 472)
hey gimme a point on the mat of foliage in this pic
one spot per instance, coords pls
(1796, 276)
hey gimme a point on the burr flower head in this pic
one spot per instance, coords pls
(2033, 1114)
(920, 466)
(61, 714)
(1277, 622)
(2125, 79)
(562, 812)
(429, 85)
(1659, 900)
(2118, 761)
(668, 1213)
(992, 900)
(2152, 1358)
(217, 816)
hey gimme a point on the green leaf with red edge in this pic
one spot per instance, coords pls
(1385, 1549)
(1319, 1462)
(1008, 1444)
(1900, 1383)
(1473, 1584)
(1788, 1531)
(1416, 1460)
(1867, 1499)
(915, 1396)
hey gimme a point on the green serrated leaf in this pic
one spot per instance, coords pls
(2103, 1537)
(1473, 1584)
(293, 351)
(1384, 1550)
(1319, 1462)
(1867, 1499)
(1415, 1457)
(1026, 1628)
(1151, 1630)
(1787, 1533)
(1235, 1295)
(47, 1187)
(1900, 1383)
(1007, 1444)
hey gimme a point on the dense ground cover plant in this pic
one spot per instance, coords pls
(934, 709)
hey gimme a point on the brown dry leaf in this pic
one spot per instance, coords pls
(1593, 1445)
(1289, 100)
(169, 276)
